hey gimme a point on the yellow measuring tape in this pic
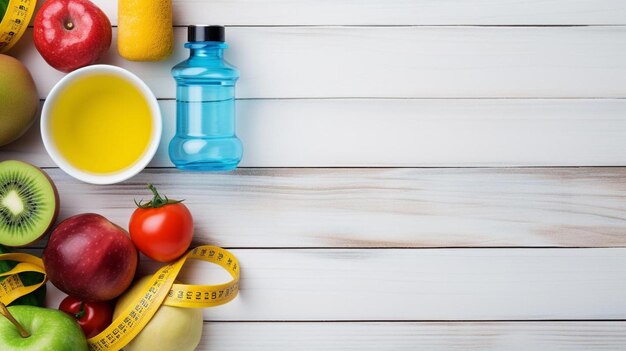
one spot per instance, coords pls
(15, 21)
(12, 288)
(159, 290)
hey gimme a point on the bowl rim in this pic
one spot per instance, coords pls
(108, 178)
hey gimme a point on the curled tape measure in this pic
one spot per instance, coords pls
(159, 290)
(11, 287)
(15, 21)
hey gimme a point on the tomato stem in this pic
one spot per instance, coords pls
(157, 201)
(80, 313)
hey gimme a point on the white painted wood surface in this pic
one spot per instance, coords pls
(376, 336)
(417, 284)
(265, 208)
(409, 133)
(398, 62)
(403, 83)
(392, 12)
(425, 285)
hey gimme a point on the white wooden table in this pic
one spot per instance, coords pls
(418, 174)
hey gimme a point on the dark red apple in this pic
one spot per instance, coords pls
(90, 258)
(70, 34)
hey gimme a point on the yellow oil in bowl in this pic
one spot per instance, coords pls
(101, 123)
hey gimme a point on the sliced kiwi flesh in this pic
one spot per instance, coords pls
(29, 203)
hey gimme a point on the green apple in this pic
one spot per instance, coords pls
(50, 330)
(170, 329)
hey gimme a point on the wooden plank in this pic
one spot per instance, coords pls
(546, 336)
(416, 284)
(409, 133)
(398, 62)
(581, 207)
(391, 12)
(424, 284)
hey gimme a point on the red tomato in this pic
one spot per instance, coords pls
(93, 317)
(162, 229)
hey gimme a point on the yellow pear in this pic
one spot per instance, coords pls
(171, 328)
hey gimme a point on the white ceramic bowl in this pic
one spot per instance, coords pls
(101, 178)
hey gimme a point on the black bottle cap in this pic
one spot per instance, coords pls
(205, 33)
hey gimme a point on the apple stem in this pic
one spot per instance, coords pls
(5, 312)
(69, 25)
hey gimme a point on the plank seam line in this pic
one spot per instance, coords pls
(412, 25)
(416, 98)
(397, 167)
(378, 98)
(426, 321)
(406, 25)
(321, 248)
(406, 248)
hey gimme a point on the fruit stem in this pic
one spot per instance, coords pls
(157, 198)
(157, 201)
(5, 312)
(69, 25)
(80, 313)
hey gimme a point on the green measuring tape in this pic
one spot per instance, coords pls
(15, 16)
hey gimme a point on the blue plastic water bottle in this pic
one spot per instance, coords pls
(205, 137)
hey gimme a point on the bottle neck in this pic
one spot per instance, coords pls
(207, 49)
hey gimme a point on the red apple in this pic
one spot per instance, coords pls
(70, 34)
(90, 258)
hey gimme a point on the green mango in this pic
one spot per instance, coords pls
(37, 297)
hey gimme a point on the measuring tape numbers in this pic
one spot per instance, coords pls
(15, 21)
(159, 290)
(12, 287)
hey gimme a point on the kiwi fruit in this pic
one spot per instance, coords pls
(29, 203)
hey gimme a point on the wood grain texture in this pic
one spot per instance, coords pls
(420, 284)
(547, 336)
(398, 62)
(578, 207)
(408, 133)
(401, 83)
(415, 284)
(391, 12)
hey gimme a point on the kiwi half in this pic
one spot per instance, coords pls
(29, 203)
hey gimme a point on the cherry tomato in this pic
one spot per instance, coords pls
(93, 317)
(161, 229)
